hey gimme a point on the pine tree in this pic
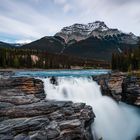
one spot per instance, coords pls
(16, 62)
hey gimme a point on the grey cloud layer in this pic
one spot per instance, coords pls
(36, 18)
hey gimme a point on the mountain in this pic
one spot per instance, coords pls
(97, 48)
(93, 40)
(78, 32)
(5, 45)
(9, 45)
(49, 43)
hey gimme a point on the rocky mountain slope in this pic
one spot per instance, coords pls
(97, 48)
(9, 45)
(97, 29)
(5, 45)
(50, 44)
(95, 40)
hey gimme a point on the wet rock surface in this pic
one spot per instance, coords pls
(26, 115)
(120, 87)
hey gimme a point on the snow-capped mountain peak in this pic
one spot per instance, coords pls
(99, 29)
(82, 31)
(85, 28)
(98, 25)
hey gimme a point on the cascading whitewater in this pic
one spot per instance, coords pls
(113, 121)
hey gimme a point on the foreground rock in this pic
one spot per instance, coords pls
(26, 115)
(19, 91)
(120, 87)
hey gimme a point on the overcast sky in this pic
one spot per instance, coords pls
(26, 20)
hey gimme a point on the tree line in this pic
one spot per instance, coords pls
(127, 60)
(28, 58)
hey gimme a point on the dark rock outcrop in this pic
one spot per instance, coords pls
(111, 84)
(120, 87)
(25, 114)
(131, 90)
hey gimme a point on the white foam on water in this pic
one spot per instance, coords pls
(113, 121)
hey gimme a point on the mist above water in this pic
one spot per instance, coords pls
(113, 121)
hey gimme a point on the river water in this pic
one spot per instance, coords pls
(113, 121)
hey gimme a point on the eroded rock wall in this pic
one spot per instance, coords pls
(25, 114)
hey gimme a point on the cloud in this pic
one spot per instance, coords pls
(120, 2)
(15, 27)
(20, 19)
(61, 2)
(66, 6)
(122, 14)
(33, 19)
(23, 41)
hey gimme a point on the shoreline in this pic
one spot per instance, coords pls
(13, 70)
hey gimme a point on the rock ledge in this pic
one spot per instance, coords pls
(25, 114)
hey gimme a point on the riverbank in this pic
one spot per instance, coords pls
(28, 69)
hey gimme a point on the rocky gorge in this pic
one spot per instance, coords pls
(25, 113)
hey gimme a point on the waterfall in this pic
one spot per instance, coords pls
(113, 121)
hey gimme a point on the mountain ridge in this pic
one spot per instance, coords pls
(93, 40)
(98, 29)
